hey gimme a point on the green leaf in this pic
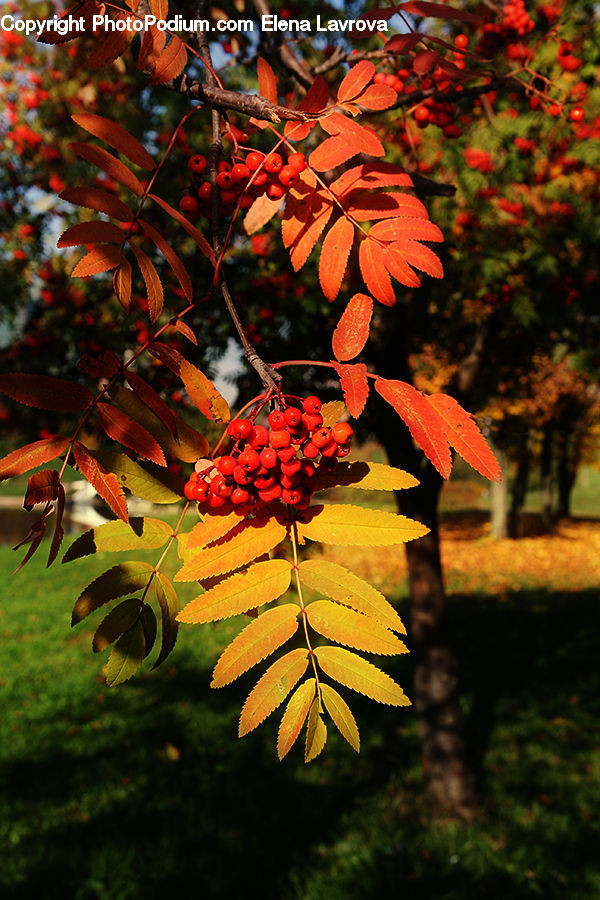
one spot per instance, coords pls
(169, 607)
(139, 534)
(117, 622)
(147, 481)
(126, 578)
(126, 656)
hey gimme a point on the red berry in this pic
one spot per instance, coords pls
(223, 166)
(280, 439)
(342, 432)
(205, 191)
(239, 495)
(577, 114)
(312, 421)
(224, 181)
(297, 161)
(197, 163)
(342, 450)
(224, 489)
(379, 78)
(245, 429)
(276, 191)
(226, 465)
(268, 457)
(228, 198)
(260, 437)
(264, 482)
(329, 449)
(254, 160)
(240, 173)
(291, 468)
(189, 205)
(274, 162)
(310, 450)
(288, 176)
(259, 180)
(214, 501)
(292, 416)
(311, 405)
(189, 490)
(285, 454)
(240, 476)
(200, 491)
(249, 460)
(291, 496)
(321, 436)
(270, 494)
(277, 420)
(461, 41)
(422, 115)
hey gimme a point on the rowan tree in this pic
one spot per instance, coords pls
(327, 151)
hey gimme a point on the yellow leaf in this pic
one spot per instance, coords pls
(367, 476)
(261, 583)
(203, 393)
(211, 529)
(138, 534)
(146, 481)
(257, 641)
(294, 717)
(338, 583)
(342, 717)
(244, 543)
(346, 525)
(355, 672)
(316, 732)
(332, 412)
(338, 623)
(272, 689)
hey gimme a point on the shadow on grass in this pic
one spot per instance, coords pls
(146, 793)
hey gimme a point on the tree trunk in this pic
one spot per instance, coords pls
(546, 477)
(450, 782)
(566, 475)
(519, 491)
(500, 499)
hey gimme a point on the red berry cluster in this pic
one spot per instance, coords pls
(271, 463)
(241, 181)
(517, 18)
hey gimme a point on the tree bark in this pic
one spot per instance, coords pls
(519, 491)
(566, 474)
(500, 499)
(546, 477)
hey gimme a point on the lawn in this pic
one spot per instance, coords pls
(145, 791)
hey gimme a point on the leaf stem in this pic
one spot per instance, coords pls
(294, 540)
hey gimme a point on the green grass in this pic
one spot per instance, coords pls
(144, 791)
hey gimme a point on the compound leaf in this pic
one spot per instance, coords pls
(255, 642)
(338, 623)
(356, 673)
(244, 543)
(261, 583)
(272, 689)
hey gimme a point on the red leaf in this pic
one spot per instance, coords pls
(193, 232)
(371, 175)
(436, 10)
(31, 455)
(153, 284)
(267, 82)
(171, 61)
(97, 199)
(169, 357)
(463, 434)
(90, 233)
(356, 80)
(41, 488)
(349, 139)
(122, 284)
(298, 209)
(58, 529)
(367, 205)
(45, 392)
(104, 482)
(403, 43)
(334, 256)
(120, 427)
(109, 44)
(100, 259)
(423, 422)
(169, 254)
(151, 46)
(355, 386)
(85, 9)
(115, 136)
(186, 331)
(316, 97)
(378, 96)
(425, 61)
(420, 257)
(412, 228)
(153, 400)
(352, 331)
(306, 240)
(395, 263)
(110, 164)
(376, 277)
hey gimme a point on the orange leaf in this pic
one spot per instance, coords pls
(371, 175)
(255, 642)
(463, 434)
(306, 240)
(338, 623)
(110, 164)
(59, 531)
(211, 529)
(193, 232)
(122, 284)
(90, 233)
(413, 227)
(259, 584)
(262, 211)
(104, 483)
(372, 266)
(45, 392)
(153, 284)
(352, 331)
(298, 208)
(367, 206)
(169, 254)
(398, 268)
(334, 256)
(32, 455)
(97, 199)
(100, 259)
(420, 257)
(267, 82)
(151, 46)
(171, 61)
(109, 45)
(316, 97)
(316, 732)
(294, 716)
(244, 543)
(355, 386)
(203, 393)
(120, 427)
(356, 80)
(272, 689)
(378, 96)
(423, 422)
(153, 400)
(115, 136)
(42, 487)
